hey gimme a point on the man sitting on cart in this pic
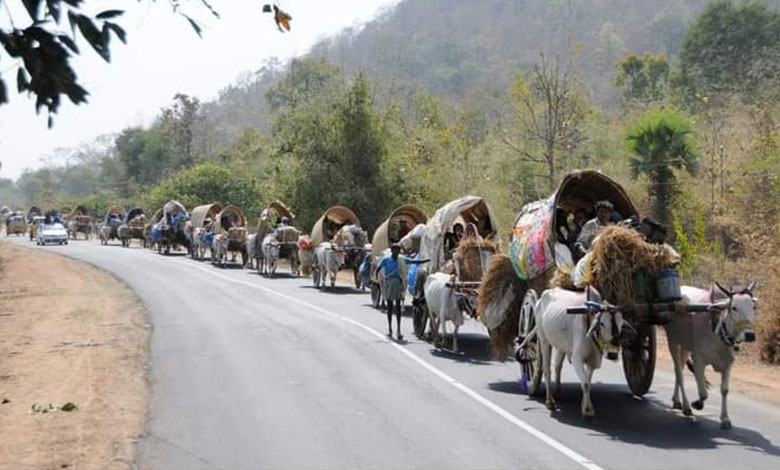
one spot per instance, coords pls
(591, 229)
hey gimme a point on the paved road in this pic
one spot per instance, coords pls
(248, 372)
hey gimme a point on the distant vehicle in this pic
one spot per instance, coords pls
(52, 233)
(15, 224)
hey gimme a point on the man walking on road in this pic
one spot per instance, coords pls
(392, 287)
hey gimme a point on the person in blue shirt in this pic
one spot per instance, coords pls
(392, 287)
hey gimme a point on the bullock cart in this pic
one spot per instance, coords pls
(148, 230)
(132, 226)
(276, 230)
(15, 224)
(202, 229)
(109, 230)
(338, 230)
(169, 232)
(79, 221)
(533, 262)
(396, 227)
(230, 235)
(447, 249)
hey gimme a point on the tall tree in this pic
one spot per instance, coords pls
(730, 49)
(661, 142)
(549, 111)
(642, 78)
(178, 123)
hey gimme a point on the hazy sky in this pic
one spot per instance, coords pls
(163, 56)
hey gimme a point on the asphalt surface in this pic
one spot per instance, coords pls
(248, 372)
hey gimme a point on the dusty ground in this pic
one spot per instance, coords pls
(70, 333)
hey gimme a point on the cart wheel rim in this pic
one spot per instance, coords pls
(639, 360)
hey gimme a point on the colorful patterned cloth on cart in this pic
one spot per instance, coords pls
(530, 249)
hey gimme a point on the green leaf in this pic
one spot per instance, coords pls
(118, 31)
(54, 9)
(93, 36)
(69, 43)
(22, 83)
(108, 14)
(194, 25)
(32, 7)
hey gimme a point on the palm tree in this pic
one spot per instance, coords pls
(662, 142)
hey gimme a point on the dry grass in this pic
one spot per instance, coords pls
(617, 253)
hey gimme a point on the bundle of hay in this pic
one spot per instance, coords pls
(617, 253)
(498, 304)
(287, 234)
(473, 259)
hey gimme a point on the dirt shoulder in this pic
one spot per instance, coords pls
(70, 334)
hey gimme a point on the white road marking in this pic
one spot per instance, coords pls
(563, 449)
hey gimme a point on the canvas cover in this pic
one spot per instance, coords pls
(229, 217)
(467, 208)
(132, 214)
(206, 211)
(408, 212)
(337, 215)
(532, 247)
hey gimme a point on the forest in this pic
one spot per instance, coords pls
(675, 99)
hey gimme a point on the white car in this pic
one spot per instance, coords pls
(52, 233)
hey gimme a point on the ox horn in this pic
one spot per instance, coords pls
(725, 291)
(751, 287)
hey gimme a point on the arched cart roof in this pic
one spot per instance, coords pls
(132, 214)
(207, 211)
(174, 207)
(532, 248)
(115, 210)
(33, 211)
(280, 209)
(468, 209)
(79, 210)
(230, 216)
(408, 212)
(338, 215)
(156, 217)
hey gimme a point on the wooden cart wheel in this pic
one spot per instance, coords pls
(529, 356)
(376, 295)
(639, 360)
(419, 318)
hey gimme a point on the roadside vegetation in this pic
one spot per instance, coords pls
(675, 100)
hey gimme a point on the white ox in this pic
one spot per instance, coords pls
(270, 254)
(252, 251)
(219, 248)
(198, 242)
(328, 259)
(442, 307)
(576, 336)
(710, 338)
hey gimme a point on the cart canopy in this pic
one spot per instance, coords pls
(230, 216)
(532, 248)
(333, 219)
(388, 230)
(116, 211)
(279, 210)
(207, 211)
(466, 210)
(132, 214)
